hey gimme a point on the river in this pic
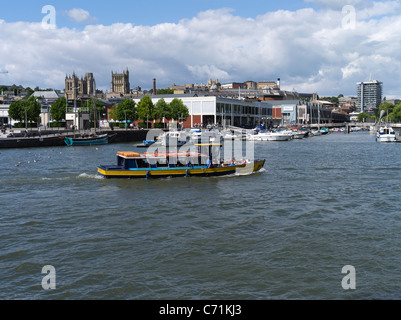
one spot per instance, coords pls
(320, 204)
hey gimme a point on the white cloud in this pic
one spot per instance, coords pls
(308, 49)
(334, 4)
(80, 15)
(207, 72)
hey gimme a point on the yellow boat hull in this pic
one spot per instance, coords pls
(115, 172)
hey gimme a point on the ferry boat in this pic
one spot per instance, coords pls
(177, 164)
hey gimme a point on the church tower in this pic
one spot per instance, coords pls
(120, 82)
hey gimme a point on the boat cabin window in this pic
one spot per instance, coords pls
(162, 162)
(130, 163)
(212, 151)
(120, 161)
(142, 163)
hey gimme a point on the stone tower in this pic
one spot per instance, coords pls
(120, 82)
(77, 88)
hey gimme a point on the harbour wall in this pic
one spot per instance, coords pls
(56, 138)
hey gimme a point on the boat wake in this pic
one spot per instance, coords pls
(55, 179)
(90, 176)
(249, 173)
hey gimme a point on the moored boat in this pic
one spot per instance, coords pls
(259, 136)
(298, 134)
(175, 138)
(386, 134)
(280, 135)
(176, 164)
(87, 141)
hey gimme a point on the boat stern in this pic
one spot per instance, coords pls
(250, 167)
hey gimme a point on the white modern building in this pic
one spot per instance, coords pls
(206, 110)
(225, 111)
(369, 96)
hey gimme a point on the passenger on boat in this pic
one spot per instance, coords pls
(209, 162)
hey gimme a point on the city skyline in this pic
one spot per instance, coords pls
(311, 45)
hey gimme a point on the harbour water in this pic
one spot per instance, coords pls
(320, 204)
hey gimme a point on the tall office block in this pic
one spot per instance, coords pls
(369, 96)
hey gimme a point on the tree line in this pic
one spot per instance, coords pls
(128, 110)
(393, 111)
(146, 110)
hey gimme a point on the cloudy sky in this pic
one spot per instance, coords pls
(322, 46)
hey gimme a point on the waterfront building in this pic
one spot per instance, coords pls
(120, 83)
(298, 112)
(46, 99)
(4, 118)
(76, 88)
(369, 96)
(228, 111)
(215, 110)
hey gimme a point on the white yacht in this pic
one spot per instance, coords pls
(385, 134)
(173, 138)
(229, 135)
(280, 136)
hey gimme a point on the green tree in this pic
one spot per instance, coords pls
(58, 108)
(178, 110)
(334, 100)
(34, 109)
(126, 110)
(395, 115)
(363, 116)
(162, 109)
(113, 113)
(29, 91)
(164, 91)
(28, 109)
(88, 107)
(146, 109)
(386, 106)
(16, 111)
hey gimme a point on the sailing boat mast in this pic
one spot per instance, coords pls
(94, 104)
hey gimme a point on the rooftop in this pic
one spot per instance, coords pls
(46, 94)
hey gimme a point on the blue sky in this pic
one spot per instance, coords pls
(305, 43)
(139, 12)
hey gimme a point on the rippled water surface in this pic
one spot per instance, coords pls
(285, 233)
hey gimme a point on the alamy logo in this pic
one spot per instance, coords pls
(49, 20)
(49, 280)
(349, 281)
(349, 18)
